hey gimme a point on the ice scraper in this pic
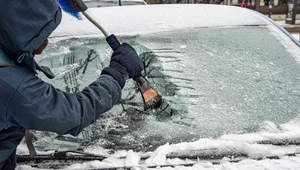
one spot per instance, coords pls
(151, 98)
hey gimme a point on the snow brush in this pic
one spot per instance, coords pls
(151, 98)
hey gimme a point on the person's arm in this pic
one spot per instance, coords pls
(38, 105)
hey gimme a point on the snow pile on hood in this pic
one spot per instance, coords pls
(249, 145)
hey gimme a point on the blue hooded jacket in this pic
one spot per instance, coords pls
(27, 102)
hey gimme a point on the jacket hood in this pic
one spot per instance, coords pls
(25, 25)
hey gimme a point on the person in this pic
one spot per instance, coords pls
(26, 101)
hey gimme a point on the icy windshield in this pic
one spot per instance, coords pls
(213, 82)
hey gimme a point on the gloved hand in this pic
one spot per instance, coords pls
(124, 64)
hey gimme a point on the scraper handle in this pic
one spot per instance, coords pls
(113, 42)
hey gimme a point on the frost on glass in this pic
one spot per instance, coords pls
(213, 82)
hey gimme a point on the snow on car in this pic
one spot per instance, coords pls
(229, 78)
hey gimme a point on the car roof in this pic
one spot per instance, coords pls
(152, 18)
(113, 0)
(110, 3)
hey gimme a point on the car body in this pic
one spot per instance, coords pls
(225, 73)
(109, 3)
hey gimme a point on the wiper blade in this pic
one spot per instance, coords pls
(61, 159)
(69, 155)
(280, 142)
(207, 154)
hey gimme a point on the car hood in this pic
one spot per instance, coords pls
(271, 142)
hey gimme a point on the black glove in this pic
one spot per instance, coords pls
(124, 63)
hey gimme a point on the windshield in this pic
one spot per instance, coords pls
(213, 82)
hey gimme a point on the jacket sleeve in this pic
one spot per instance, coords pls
(38, 105)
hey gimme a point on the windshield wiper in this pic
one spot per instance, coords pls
(280, 142)
(60, 159)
